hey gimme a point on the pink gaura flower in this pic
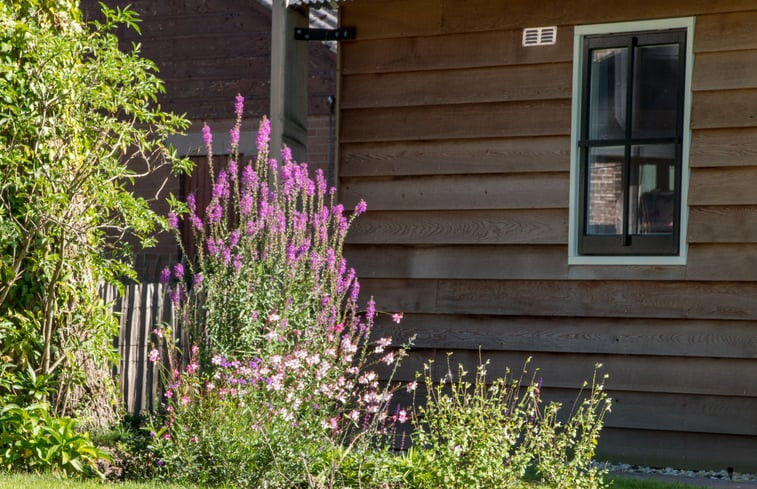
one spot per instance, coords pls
(388, 358)
(397, 317)
(411, 386)
(154, 355)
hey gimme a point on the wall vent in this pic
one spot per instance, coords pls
(539, 36)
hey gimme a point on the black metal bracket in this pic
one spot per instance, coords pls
(307, 34)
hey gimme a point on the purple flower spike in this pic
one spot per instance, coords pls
(361, 207)
(238, 106)
(197, 280)
(233, 170)
(173, 220)
(245, 204)
(178, 271)
(234, 137)
(192, 203)
(207, 136)
(264, 135)
(165, 276)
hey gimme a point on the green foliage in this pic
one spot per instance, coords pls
(491, 435)
(79, 122)
(31, 439)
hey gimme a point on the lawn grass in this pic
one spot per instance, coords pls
(29, 481)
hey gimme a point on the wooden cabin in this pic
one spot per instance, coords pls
(574, 181)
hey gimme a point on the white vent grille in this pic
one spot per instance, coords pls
(539, 36)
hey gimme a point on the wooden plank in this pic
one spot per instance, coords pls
(400, 295)
(536, 226)
(723, 147)
(699, 414)
(509, 191)
(482, 15)
(627, 374)
(678, 338)
(723, 186)
(725, 70)
(475, 50)
(719, 109)
(678, 449)
(722, 224)
(726, 32)
(734, 262)
(619, 299)
(495, 84)
(503, 119)
(511, 155)
(393, 18)
(477, 262)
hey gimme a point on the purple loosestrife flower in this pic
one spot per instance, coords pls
(214, 211)
(212, 246)
(355, 291)
(234, 136)
(165, 276)
(173, 220)
(238, 106)
(320, 182)
(245, 203)
(178, 271)
(197, 223)
(236, 262)
(337, 210)
(226, 256)
(264, 135)
(207, 136)
(286, 155)
(361, 207)
(197, 280)
(233, 170)
(370, 312)
(249, 177)
(192, 203)
(221, 187)
(273, 165)
(234, 238)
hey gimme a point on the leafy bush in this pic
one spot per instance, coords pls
(79, 121)
(498, 434)
(278, 383)
(32, 439)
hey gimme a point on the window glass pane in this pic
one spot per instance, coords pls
(607, 93)
(604, 194)
(655, 91)
(652, 189)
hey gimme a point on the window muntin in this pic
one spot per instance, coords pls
(630, 143)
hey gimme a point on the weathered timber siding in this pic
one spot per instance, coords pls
(459, 140)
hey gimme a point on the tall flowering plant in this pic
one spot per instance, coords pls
(281, 353)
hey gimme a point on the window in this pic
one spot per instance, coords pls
(630, 142)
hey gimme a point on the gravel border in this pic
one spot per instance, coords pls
(721, 475)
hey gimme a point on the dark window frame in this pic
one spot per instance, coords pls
(627, 244)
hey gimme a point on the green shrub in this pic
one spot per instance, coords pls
(479, 435)
(31, 439)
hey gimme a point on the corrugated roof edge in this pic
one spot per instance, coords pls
(313, 2)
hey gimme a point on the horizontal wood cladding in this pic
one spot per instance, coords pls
(678, 449)
(723, 224)
(723, 147)
(729, 70)
(677, 339)
(724, 108)
(648, 374)
(475, 15)
(577, 298)
(707, 262)
(474, 85)
(395, 18)
(539, 226)
(495, 48)
(508, 191)
(726, 31)
(506, 155)
(723, 186)
(502, 119)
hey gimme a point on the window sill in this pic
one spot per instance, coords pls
(628, 260)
